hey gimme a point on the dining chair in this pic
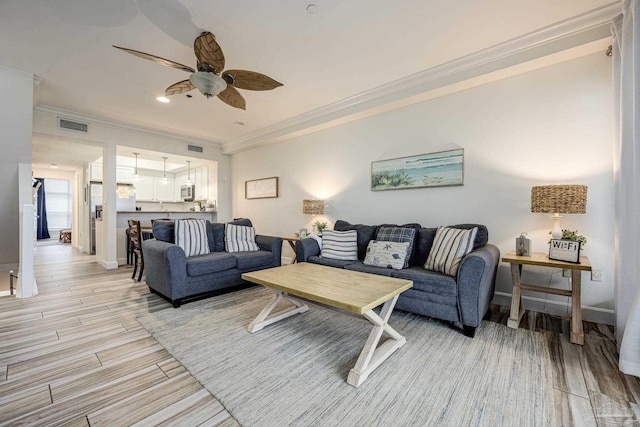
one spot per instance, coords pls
(135, 238)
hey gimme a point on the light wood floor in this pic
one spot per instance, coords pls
(75, 355)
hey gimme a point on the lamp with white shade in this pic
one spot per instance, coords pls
(558, 199)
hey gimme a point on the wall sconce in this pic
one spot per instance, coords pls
(313, 207)
(557, 199)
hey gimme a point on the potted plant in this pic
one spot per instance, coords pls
(573, 235)
(320, 225)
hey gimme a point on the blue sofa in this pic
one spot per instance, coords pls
(178, 278)
(463, 300)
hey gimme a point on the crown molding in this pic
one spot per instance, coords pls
(564, 35)
(124, 125)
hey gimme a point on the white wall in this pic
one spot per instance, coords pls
(549, 126)
(16, 105)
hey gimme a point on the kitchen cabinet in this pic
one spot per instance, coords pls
(144, 189)
(202, 183)
(95, 172)
(124, 174)
(163, 192)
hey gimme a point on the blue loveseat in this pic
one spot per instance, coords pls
(463, 300)
(177, 277)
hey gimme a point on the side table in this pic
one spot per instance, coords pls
(292, 242)
(541, 259)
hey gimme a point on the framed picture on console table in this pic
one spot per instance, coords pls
(264, 188)
(564, 250)
(436, 169)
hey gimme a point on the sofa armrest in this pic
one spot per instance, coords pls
(273, 245)
(476, 283)
(306, 248)
(165, 267)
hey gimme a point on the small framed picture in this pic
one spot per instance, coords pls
(564, 250)
(523, 246)
(302, 233)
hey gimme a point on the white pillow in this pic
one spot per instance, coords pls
(386, 254)
(449, 247)
(240, 238)
(191, 236)
(342, 245)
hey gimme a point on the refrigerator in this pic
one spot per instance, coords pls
(95, 212)
(125, 201)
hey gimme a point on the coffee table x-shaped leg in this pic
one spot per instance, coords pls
(371, 355)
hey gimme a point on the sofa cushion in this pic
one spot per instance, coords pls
(164, 231)
(191, 236)
(239, 238)
(210, 263)
(398, 234)
(365, 234)
(216, 230)
(387, 254)
(482, 236)
(339, 245)
(315, 259)
(449, 247)
(245, 222)
(429, 281)
(413, 226)
(253, 259)
(424, 241)
(371, 269)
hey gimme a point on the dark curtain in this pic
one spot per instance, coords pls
(43, 227)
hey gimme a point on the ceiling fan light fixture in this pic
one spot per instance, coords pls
(208, 84)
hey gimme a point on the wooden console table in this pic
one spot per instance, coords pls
(292, 242)
(542, 260)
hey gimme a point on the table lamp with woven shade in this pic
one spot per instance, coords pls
(313, 207)
(557, 199)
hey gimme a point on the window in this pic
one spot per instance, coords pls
(58, 201)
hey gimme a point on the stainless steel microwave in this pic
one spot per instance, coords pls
(187, 192)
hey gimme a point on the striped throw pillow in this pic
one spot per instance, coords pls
(341, 245)
(191, 236)
(449, 247)
(240, 238)
(398, 234)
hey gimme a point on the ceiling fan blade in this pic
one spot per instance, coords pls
(180, 87)
(232, 97)
(208, 51)
(157, 59)
(250, 80)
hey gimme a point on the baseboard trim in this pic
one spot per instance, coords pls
(558, 308)
(108, 265)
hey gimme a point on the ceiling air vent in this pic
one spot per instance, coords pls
(71, 125)
(195, 148)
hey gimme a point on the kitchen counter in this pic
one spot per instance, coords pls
(145, 218)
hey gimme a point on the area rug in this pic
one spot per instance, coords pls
(293, 373)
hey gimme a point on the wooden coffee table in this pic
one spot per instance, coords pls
(349, 290)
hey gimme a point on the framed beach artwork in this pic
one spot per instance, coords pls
(438, 169)
(261, 188)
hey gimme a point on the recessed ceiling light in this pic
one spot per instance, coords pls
(54, 165)
(312, 8)
(162, 99)
(238, 123)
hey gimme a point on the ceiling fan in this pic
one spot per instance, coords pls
(208, 80)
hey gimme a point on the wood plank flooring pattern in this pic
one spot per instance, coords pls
(76, 355)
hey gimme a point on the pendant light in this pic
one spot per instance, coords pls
(136, 175)
(164, 178)
(188, 181)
